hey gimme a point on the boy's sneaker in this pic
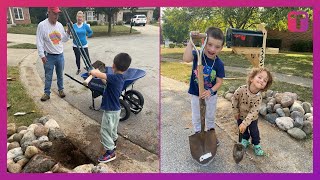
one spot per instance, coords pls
(218, 142)
(78, 72)
(61, 94)
(245, 143)
(257, 150)
(110, 155)
(45, 97)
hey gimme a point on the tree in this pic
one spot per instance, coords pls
(156, 13)
(38, 14)
(175, 24)
(109, 12)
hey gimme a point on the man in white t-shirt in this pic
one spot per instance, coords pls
(50, 36)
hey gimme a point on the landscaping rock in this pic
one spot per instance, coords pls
(280, 112)
(31, 127)
(27, 139)
(229, 96)
(55, 133)
(86, 168)
(298, 119)
(58, 168)
(310, 119)
(51, 124)
(101, 168)
(306, 116)
(270, 107)
(306, 107)
(307, 127)
(11, 129)
(23, 162)
(286, 101)
(18, 158)
(276, 106)
(263, 111)
(31, 151)
(286, 112)
(284, 123)
(14, 168)
(269, 93)
(232, 89)
(23, 132)
(39, 164)
(22, 128)
(40, 130)
(272, 118)
(297, 107)
(13, 145)
(297, 133)
(42, 120)
(13, 153)
(43, 139)
(10, 139)
(45, 146)
(17, 137)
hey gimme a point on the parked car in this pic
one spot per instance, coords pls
(138, 20)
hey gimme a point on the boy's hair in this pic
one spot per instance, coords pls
(122, 61)
(255, 71)
(215, 33)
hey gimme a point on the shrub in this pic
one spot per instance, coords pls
(302, 46)
(180, 45)
(275, 43)
(92, 23)
(172, 45)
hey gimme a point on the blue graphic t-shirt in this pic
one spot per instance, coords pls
(211, 70)
(112, 92)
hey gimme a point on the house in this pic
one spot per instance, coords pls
(18, 15)
(123, 16)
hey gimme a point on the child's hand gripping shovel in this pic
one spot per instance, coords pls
(238, 150)
(203, 145)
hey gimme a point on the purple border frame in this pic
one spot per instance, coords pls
(4, 4)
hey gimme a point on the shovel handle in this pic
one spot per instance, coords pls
(86, 82)
(240, 137)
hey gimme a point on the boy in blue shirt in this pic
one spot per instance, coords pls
(213, 72)
(111, 104)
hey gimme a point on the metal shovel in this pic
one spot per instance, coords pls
(238, 150)
(203, 145)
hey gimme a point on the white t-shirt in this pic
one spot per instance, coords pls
(50, 38)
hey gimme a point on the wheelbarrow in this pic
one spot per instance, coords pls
(130, 101)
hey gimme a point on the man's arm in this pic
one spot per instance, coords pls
(40, 43)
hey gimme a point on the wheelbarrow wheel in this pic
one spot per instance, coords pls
(137, 98)
(125, 110)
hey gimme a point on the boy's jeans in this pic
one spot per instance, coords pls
(53, 61)
(211, 104)
(109, 128)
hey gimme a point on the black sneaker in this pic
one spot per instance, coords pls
(78, 72)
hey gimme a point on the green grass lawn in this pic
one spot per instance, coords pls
(97, 30)
(23, 46)
(182, 71)
(292, 63)
(19, 100)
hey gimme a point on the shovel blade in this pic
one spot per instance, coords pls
(238, 152)
(203, 146)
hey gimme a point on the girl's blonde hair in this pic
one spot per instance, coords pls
(80, 13)
(255, 71)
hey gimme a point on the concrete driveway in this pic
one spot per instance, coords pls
(141, 129)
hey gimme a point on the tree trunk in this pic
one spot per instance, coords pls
(109, 24)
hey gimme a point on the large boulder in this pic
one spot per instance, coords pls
(39, 164)
(297, 133)
(284, 123)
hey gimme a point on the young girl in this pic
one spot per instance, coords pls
(246, 103)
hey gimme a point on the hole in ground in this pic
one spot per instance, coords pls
(64, 152)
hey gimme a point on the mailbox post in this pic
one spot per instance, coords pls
(250, 43)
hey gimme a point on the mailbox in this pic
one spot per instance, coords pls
(244, 38)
